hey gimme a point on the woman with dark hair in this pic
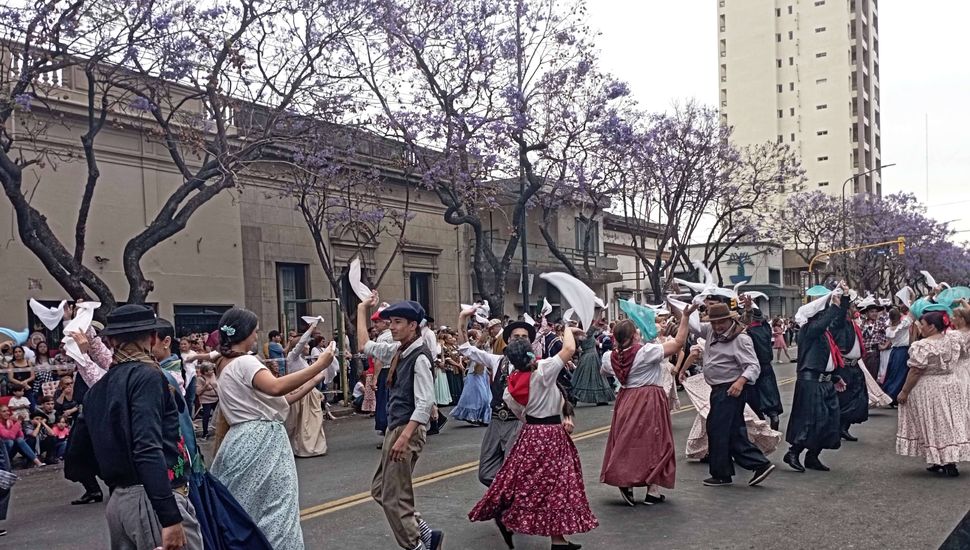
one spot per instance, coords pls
(255, 461)
(44, 373)
(898, 335)
(961, 333)
(539, 489)
(640, 448)
(934, 420)
(21, 373)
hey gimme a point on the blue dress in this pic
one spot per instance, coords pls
(475, 403)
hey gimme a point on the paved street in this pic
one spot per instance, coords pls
(871, 499)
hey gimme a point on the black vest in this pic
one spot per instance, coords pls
(400, 399)
(499, 382)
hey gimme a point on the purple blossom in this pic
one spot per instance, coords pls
(617, 89)
(140, 104)
(23, 101)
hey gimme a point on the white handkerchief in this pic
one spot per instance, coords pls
(576, 293)
(309, 319)
(360, 289)
(546, 308)
(50, 316)
(528, 319)
(83, 315)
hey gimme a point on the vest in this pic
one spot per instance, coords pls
(400, 399)
(499, 384)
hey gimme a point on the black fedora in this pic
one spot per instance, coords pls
(131, 318)
(507, 331)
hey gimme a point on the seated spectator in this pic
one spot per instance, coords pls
(58, 434)
(19, 405)
(64, 403)
(12, 435)
(359, 393)
(45, 416)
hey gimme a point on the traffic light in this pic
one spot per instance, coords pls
(901, 243)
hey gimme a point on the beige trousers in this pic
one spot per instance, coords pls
(392, 487)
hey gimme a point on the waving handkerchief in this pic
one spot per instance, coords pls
(568, 315)
(83, 315)
(574, 291)
(643, 317)
(360, 289)
(50, 316)
(528, 319)
(546, 308)
(311, 320)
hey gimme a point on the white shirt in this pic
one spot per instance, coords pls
(240, 401)
(899, 334)
(490, 361)
(647, 368)
(545, 399)
(423, 377)
(358, 390)
(856, 351)
(385, 338)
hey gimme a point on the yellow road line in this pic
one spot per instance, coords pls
(360, 498)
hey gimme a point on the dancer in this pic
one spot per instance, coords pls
(961, 333)
(778, 341)
(474, 404)
(898, 334)
(765, 399)
(854, 401)
(814, 422)
(129, 434)
(380, 413)
(640, 448)
(934, 420)
(873, 335)
(539, 489)
(588, 384)
(304, 422)
(410, 400)
(730, 368)
(255, 460)
(502, 431)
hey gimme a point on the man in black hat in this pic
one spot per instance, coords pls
(129, 434)
(854, 401)
(410, 400)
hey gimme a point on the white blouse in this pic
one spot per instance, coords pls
(240, 401)
(647, 368)
(899, 334)
(544, 396)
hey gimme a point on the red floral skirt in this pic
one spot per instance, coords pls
(640, 448)
(539, 490)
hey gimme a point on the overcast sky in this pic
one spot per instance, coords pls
(667, 51)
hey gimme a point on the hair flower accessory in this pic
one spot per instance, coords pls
(230, 331)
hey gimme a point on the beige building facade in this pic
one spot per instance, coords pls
(805, 73)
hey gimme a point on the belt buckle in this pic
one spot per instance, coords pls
(503, 414)
(825, 378)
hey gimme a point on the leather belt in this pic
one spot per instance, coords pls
(503, 413)
(544, 421)
(813, 376)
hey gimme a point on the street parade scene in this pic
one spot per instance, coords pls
(483, 274)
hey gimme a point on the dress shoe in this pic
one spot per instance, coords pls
(650, 500)
(442, 420)
(950, 470)
(88, 498)
(847, 436)
(813, 463)
(791, 459)
(437, 539)
(627, 494)
(774, 422)
(761, 474)
(717, 481)
(506, 534)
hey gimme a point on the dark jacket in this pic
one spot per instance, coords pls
(813, 346)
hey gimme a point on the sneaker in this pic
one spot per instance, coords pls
(627, 494)
(3, 532)
(717, 481)
(761, 474)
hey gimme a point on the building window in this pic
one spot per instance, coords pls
(823, 184)
(777, 37)
(774, 276)
(291, 284)
(780, 88)
(789, 10)
(781, 138)
(421, 290)
(793, 136)
(822, 133)
(777, 12)
(791, 35)
(781, 114)
(791, 60)
(819, 29)
(791, 86)
(792, 111)
(193, 319)
(822, 159)
(584, 226)
(821, 107)
(819, 3)
(821, 80)
(820, 54)
(779, 63)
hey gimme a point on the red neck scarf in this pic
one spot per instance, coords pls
(858, 335)
(622, 361)
(834, 350)
(519, 386)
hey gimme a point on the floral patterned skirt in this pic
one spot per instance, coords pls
(935, 422)
(539, 490)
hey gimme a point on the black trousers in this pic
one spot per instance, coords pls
(727, 437)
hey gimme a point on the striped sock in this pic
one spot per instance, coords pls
(425, 531)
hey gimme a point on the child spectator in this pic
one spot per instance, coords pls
(19, 405)
(59, 434)
(359, 392)
(45, 416)
(207, 387)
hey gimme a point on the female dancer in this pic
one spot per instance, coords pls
(934, 421)
(255, 461)
(539, 489)
(304, 423)
(778, 334)
(474, 405)
(589, 385)
(898, 335)
(640, 448)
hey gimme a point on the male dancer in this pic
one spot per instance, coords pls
(765, 399)
(814, 420)
(854, 401)
(380, 406)
(730, 368)
(410, 382)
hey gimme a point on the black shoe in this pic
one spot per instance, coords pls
(847, 436)
(936, 469)
(761, 474)
(627, 494)
(88, 498)
(506, 534)
(650, 500)
(813, 463)
(437, 539)
(774, 422)
(3, 532)
(717, 481)
(950, 470)
(567, 546)
(791, 459)
(442, 420)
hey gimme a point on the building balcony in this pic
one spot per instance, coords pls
(541, 260)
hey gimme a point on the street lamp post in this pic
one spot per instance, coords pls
(845, 221)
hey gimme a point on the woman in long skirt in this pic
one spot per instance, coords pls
(304, 423)
(934, 420)
(898, 335)
(255, 461)
(474, 405)
(961, 333)
(539, 489)
(589, 385)
(640, 448)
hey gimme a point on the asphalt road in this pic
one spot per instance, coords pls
(872, 498)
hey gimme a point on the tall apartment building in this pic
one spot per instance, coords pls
(805, 72)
